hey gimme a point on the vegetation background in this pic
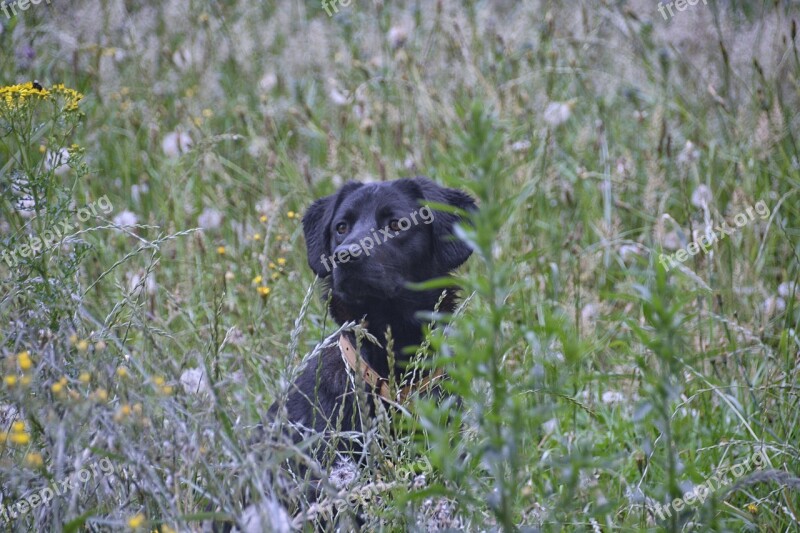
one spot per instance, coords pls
(596, 383)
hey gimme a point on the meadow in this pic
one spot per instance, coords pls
(626, 351)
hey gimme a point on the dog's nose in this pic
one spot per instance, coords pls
(348, 253)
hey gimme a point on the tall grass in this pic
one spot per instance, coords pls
(587, 384)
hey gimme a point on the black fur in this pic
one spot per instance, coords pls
(374, 287)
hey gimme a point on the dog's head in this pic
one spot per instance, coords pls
(372, 239)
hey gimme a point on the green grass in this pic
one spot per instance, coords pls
(594, 383)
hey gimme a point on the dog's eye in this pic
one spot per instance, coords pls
(341, 228)
(394, 225)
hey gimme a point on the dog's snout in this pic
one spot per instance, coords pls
(348, 253)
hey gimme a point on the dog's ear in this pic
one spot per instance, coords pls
(316, 227)
(449, 252)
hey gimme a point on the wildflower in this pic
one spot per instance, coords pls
(274, 276)
(18, 426)
(34, 459)
(24, 360)
(209, 219)
(176, 143)
(126, 218)
(291, 214)
(25, 380)
(82, 345)
(397, 36)
(556, 113)
(194, 381)
(263, 218)
(123, 412)
(271, 265)
(20, 438)
(257, 237)
(701, 196)
(85, 378)
(257, 280)
(208, 113)
(752, 508)
(100, 395)
(73, 339)
(122, 372)
(10, 381)
(229, 275)
(282, 261)
(263, 291)
(136, 521)
(99, 346)
(221, 250)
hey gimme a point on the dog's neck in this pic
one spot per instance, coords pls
(397, 316)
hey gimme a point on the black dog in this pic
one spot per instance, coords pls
(372, 240)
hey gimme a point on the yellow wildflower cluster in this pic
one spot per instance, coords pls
(23, 360)
(18, 97)
(17, 436)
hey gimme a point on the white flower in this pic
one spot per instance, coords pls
(26, 206)
(520, 146)
(611, 397)
(210, 218)
(701, 196)
(398, 36)
(258, 147)
(58, 161)
(689, 154)
(556, 113)
(343, 474)
(788, 289)
(194, 382)
(774, 305)
(176, 143)
(337, 95)
(126, 218)
(589, 314)
(268, 82)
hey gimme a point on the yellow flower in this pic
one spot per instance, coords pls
(34, 459)
(291, 214)
(24, 360)
(271, 265)
(42, 148)
(257, 280)
(122, 372)
(57, 388)
(167, 390)
(263, 218)
(85, 378)
(752, 508)
(10, 381)
(25, 380)
(282, 261)
(166, 529)
(73, 339)
(99, 346)
(208, 113)
(122, 413)
(82, 345)
(100, 394)
(20, 438)
(263, 291)
(136, 521)
(221, 250)
(257, 237)
(275, 276)
(18, 427)
(158, 380)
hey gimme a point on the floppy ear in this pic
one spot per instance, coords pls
(316, 227)
(449, 252)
